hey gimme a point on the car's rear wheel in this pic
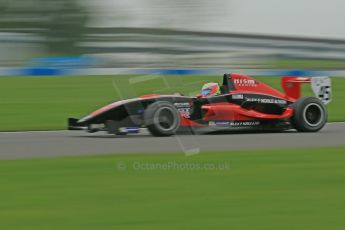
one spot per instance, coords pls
(162, 119)
(310, 114)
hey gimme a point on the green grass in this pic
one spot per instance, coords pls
(275, 189)
(42, 103)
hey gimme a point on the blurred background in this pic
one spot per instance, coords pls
(295, 34)
(191, 42)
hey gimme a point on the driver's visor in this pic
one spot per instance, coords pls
(206, 91)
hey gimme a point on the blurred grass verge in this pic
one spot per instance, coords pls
(44, 103)
(266, 189)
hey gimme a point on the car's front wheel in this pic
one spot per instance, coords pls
(310, 114)
(162, 118)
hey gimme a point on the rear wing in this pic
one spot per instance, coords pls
(321, 86)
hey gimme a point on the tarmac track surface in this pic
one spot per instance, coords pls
(33, 144)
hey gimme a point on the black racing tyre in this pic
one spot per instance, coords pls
(310, 114)
(162, 119)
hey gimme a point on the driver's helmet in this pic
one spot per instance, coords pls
(210, 89)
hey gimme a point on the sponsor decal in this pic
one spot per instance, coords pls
(267, 100)
(222, 123)
(129, 129)
(237, 96)
(212, 123)
(181, 104)
(245, 82)
(185, 112)
(244, 123)
(234, 123)
(183, 108)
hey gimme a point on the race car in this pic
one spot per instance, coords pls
(241, 103)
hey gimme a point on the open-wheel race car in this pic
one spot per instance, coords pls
(240, 103)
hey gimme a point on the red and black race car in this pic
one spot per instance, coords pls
(243, 103)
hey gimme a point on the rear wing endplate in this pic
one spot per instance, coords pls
(321, 86)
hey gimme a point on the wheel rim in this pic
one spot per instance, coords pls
(166, 119)
(313, 114)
